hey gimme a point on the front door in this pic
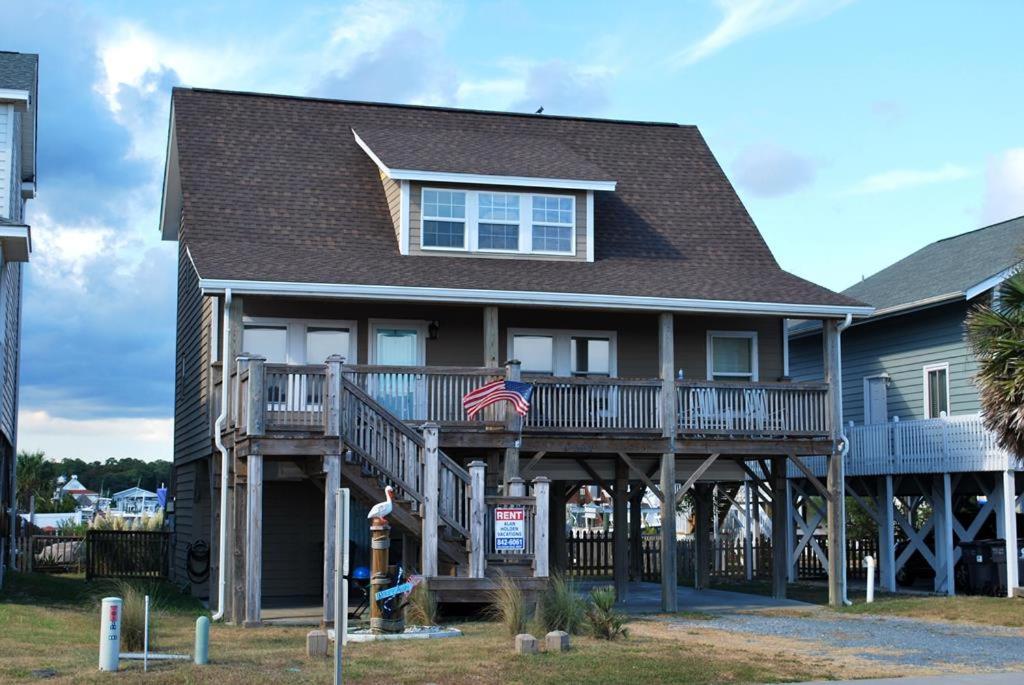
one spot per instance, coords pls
(876, 400)
(398, 344)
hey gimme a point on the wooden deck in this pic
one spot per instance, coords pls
(568, 414)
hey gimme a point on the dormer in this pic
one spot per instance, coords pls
(486, 194)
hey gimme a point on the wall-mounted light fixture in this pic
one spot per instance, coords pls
(432, 329)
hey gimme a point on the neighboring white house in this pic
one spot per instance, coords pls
(133, 501)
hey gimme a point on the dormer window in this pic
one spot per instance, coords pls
(553, 224)
(485, 221)
(444, 219)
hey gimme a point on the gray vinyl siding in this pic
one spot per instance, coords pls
(900, 346)
(192, 438)
(10, 292)
(7, 174)
(16, 204)
(191, 488)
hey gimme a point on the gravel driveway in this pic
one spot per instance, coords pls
(894, 641)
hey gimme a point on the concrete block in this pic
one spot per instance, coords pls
(316, 644)
(557, 641)
(526, 644)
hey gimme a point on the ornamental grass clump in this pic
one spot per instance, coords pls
(560, 606)
(422, 607)
(133, 614)
(603, 621)
(508, 606)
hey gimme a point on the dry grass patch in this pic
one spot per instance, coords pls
(52, 623)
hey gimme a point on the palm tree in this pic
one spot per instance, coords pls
(996, 333)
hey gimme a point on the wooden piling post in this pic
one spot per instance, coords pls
(332, 481)
(477, 520)
(620, 533)
(254, 541)
(380, 546)
(541, 556)
(669, 421)
(431, 493)
(513, 424)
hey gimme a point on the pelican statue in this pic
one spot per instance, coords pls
(382, 510)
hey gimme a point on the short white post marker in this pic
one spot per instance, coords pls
(869, 561)
(110, 633)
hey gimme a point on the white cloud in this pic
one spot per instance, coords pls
(769, 170)
(902, 179)
(1004, 186)
(95, 438)
(743, 18)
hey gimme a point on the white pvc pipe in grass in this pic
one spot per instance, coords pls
(225, 462)
(869, 561)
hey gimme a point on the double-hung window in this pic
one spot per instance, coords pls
(732, 356)
(552, 226)
(495, 221)
(444, 219)
(498, 225)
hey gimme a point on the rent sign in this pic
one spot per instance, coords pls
(509, 529)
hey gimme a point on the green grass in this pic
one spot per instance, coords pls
(49, 622)
(994, 611)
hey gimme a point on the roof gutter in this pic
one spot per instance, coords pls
(524, 297)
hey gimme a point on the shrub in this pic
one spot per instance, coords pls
(133, 613)
(508, 606)
(560, 606)
(422, 607)
(602, 619)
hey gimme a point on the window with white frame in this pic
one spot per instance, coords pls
(564, 352)
(732, 356)
(444, 219)
(498, 225)
(552, 223)
(490, 221)
(936, 391)
(299, 341)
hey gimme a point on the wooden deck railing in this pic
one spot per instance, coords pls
(594, 404)
(746, 409)
(297, 397)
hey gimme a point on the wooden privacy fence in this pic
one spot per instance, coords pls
(127, 554)
(590, 554)
(51, 553)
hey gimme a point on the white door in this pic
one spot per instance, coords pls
(399, 344)
(876, 400)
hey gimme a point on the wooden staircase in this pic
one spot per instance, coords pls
(380, 450)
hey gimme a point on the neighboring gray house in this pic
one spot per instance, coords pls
(910, 403)
(19, 79)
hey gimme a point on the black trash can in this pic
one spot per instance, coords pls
(986, 566)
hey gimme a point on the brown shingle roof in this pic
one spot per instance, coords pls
(277, 189)
(493, 153)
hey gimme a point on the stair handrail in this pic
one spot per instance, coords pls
(451, 513)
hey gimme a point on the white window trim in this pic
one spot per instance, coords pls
(925, 370)
(403, 219)
(561, 347)
(590, 226)
(754, 375)
(471, 235)
(295, 336)
(474, 239)
(470, 200)
(421, 339)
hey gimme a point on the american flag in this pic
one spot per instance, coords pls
(513, 391)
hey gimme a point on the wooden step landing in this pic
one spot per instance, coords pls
(456, 589)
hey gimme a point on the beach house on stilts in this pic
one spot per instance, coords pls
(349, 271)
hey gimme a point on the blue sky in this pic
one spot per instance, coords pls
(855, 131)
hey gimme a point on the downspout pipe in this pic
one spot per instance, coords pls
(225, 461)
(844, 441)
